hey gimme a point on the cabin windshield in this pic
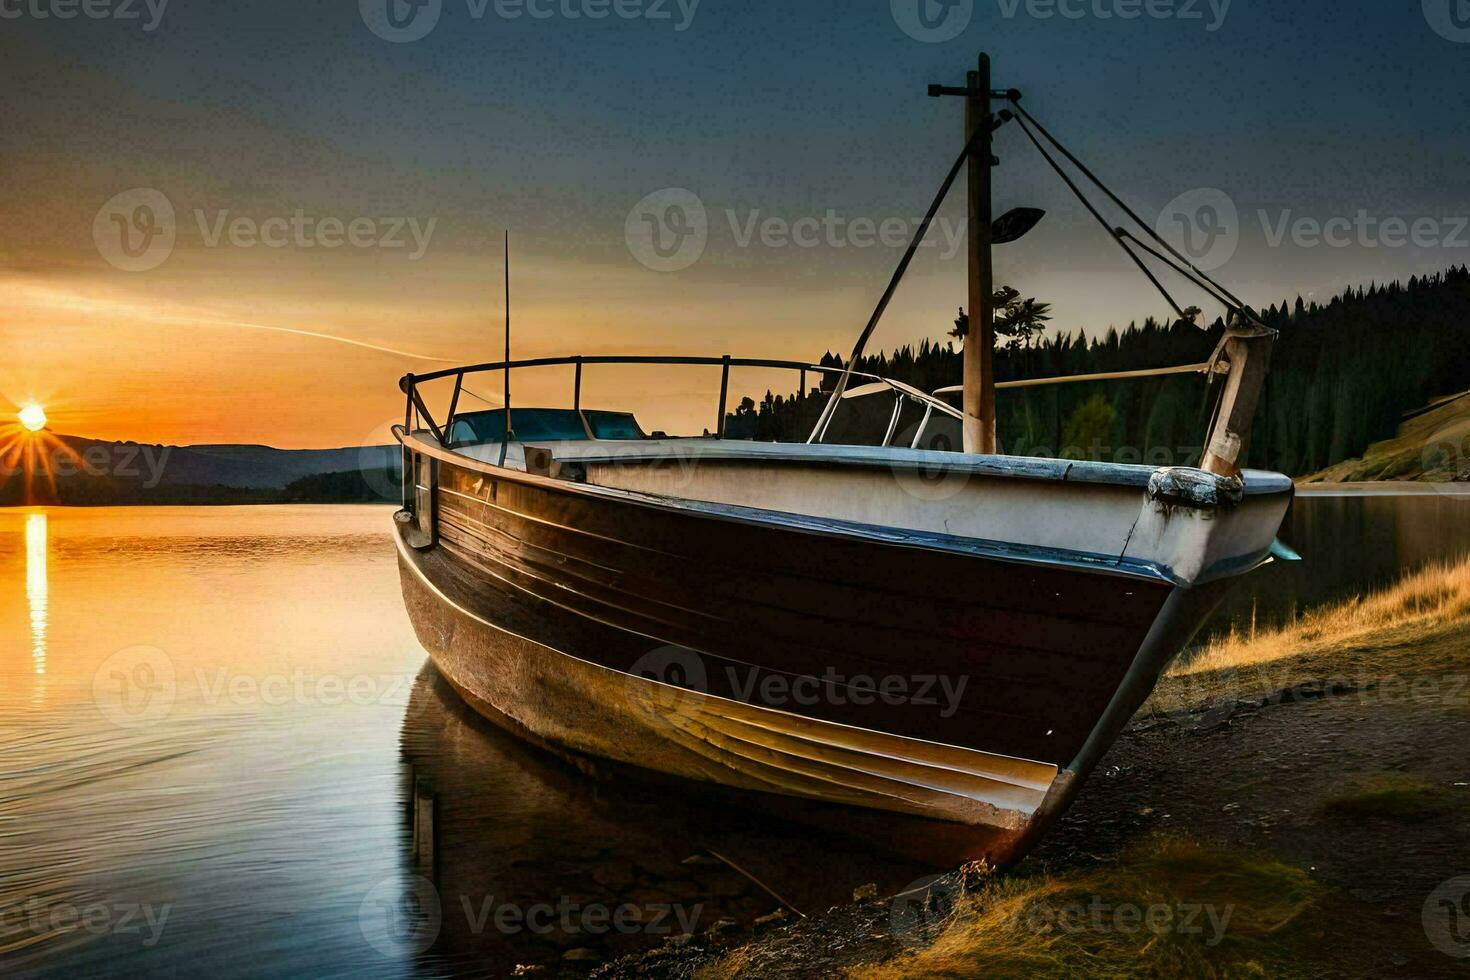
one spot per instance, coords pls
(614, 425)
(544, 425)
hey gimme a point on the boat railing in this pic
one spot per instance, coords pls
(417, 414)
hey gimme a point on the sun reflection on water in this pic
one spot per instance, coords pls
(37, 592)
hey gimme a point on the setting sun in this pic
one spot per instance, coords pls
(33, 417)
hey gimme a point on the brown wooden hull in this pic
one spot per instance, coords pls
(766, 658)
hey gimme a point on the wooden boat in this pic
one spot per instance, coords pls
(940, 646)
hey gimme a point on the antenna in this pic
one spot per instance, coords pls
(509, 432)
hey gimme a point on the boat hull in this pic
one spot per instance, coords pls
(949, 704)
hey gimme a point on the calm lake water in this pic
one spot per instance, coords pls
(1350, 542)
(221, 753)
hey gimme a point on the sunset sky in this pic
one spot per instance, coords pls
(556, 126)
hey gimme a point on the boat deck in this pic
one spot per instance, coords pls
(932, 462)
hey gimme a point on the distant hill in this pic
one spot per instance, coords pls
(91, 471)
(1431, 446)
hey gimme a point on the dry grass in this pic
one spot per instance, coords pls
(1166, 908)
(1383, 632)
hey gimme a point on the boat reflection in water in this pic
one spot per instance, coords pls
(532, 862)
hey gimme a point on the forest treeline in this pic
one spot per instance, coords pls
(1342, 375)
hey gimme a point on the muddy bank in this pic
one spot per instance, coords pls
(1362, 788)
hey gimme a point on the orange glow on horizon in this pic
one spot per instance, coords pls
(33, 453)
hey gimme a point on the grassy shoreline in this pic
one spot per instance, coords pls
(1365, 641)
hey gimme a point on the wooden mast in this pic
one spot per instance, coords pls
(979, 344)
(1247, 349)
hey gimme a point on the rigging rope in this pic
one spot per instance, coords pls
(1027, 117)
(986, 125)
(1203, 367)
(492, 402)
(1217, 294)
(1178, 310)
